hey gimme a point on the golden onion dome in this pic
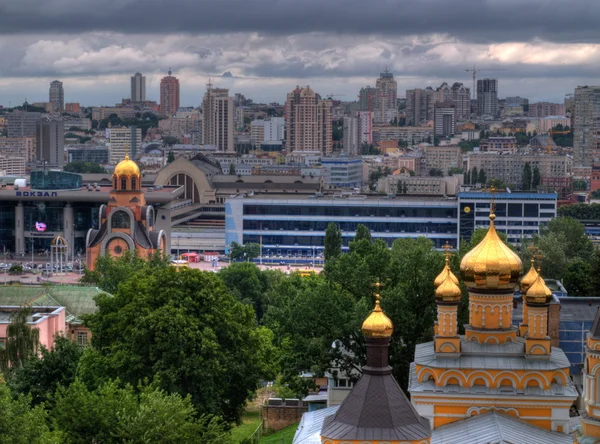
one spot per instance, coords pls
(446, 271)
(529, 278)
(538, 293)
(59, 241)
(448, 291)
(377, 325)
(491, 264)
(127, 167)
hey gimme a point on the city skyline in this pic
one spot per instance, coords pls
(273, 48)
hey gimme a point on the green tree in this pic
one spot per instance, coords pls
(436, 172)
(177, 327)
(21, 344)
(474, 175)
(21, 424)
(482, 178)
(170, 140)
(109, 272)
(40, 376)
(536, 179)
(578, 278)
(527, 177)
(362, 232)
(170, 156)
(333, 241)
(467, 177)
(252, 250)
(84, 167)
(232, 169)
(250, 284)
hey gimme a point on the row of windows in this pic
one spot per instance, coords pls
(379, 227)
(348, 211)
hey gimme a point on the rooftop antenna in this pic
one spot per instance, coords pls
(209, 84)
(169, 70)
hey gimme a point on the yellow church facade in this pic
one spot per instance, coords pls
(494, 366)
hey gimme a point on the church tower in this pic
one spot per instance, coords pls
(126, 222)
(589, 430)
(376, 411)
(491, 369)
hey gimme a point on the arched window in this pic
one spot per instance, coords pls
(123, 183)
(115, 184)
(133, 183)
(120, 219)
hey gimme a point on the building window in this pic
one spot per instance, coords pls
(123, 183)
(82, 339)
(133, 183)
(120, 219)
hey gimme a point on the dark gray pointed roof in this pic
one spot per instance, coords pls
(376, 409)
(595, 331)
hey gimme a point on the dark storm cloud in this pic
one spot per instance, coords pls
(481, 21)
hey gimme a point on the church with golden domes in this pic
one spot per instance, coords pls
(126, 221)
(497, 383)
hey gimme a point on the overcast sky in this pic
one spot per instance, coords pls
(541, 48)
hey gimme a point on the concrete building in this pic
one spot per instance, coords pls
(138, 88)
(81, 123)
(265, 131)
(366, 98)
(12, 165)
(181, 126)
(420, 105)
(412, 135)
(94, 154)
(57, 96)
(169, 95)
(545, 109)
(545, 124)
(385, 106)
(356, 132)
(101, 113)
(18, 147)
(343, 172)
(444, 121)
(217, 112)
(401, 184)
(22, 124)
(308, 122)
(123, 141)
(586, 126)
(441, 157)
(507, 144)
(73, 108)
(50, 143)
(459, 96)
(487, 97)
(508, 167)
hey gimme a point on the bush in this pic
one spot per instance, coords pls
(16, 269)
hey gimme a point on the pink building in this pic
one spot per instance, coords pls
(48, 320)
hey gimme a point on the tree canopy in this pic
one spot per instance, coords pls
(176, 327)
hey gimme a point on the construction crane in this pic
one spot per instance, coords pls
(475, 71)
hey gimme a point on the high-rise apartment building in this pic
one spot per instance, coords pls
(444, 121)
(586, 126)
(545, 109)
(487, 97)
(217, 112)
(169, 95)
(366, 98)
(308, 122)
(459, 96)
(138, 88)
(22, 124)
(356, 132)
(267, 130)
(420, 105)
(385, 106)
(124, 141)
(50, 143)
(57, 96)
